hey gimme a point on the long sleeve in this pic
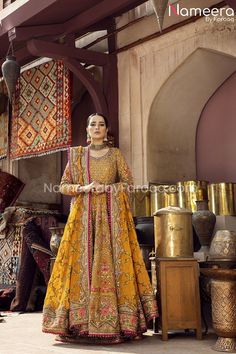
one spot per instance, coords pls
(124, 172)
(67, 186)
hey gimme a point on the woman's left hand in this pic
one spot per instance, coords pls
(99, 189)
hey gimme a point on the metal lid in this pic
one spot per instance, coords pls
(173, 210)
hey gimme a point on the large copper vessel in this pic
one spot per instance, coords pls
(173, 232)
(162, 196)
(221, 198)
(188, 192)
(223, 296)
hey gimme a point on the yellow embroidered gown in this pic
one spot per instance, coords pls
(99, 287)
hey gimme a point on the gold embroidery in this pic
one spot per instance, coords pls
(119, 299)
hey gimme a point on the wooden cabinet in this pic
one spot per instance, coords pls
(178, 291)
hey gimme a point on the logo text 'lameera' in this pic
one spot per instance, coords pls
(197, 11)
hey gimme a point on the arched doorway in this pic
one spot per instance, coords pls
(175, 113)
(215, 139)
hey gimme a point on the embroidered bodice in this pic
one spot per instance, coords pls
(107, 169)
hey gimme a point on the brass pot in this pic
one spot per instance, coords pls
(221, 198)
(173, 232)
(162, 196)
(213, 196)
(141, 202)
(188, 193)
(226, 199)
(223, 296)
(223, 246)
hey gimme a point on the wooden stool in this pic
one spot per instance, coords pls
(178, 289)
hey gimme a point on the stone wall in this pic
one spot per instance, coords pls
(149, 136)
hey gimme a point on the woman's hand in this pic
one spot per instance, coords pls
(94, 187)
(100, 188)
(90, 187)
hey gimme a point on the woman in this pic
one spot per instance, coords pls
(99, 288)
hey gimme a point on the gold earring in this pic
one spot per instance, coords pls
(105, 139)
(88, 139)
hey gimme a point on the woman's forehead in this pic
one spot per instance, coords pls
(97, 118)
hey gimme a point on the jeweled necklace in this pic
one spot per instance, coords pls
(97, 147)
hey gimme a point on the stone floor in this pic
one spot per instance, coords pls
(21, 334)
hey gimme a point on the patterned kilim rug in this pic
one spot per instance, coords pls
(10, 250)
(3, 121)
(13, 244)
(41, 119)
(3, 135)
(10, 189)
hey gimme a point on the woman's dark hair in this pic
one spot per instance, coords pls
(97, 114)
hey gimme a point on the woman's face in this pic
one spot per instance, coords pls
(97, 128)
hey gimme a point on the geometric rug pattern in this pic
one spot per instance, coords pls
(12, 243)
(3, 135)
(41, 117)
(10, 251)
(3, 121)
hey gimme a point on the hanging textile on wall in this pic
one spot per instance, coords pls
(3, 135)
(10, 189)
(3, 121)
(41, 117)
